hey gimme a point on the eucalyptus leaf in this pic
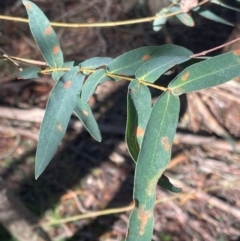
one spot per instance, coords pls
(211, 72)
(44, 35)
(153, 159)
(61, 103)
(169, 56)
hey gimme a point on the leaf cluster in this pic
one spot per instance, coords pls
(150, 129)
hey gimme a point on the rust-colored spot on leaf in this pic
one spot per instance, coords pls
(185, 76)
(236, 52)
(85, 112)
(55, 49)
(59, 127)
(165, 142)
(146, 57)
(48, 30)
(68, 84)
(143, 216)
(27, 5)
(140, 131)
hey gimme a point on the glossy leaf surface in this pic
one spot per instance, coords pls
(59, 108)
(44, 35)
(84, 113)
(153, 159)
(90, 85)
(169, 56)
(208, 73)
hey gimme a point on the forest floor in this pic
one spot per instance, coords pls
(89, 177)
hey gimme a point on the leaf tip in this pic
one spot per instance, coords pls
(26, 4)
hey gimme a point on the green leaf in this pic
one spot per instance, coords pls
(169, 56)
(153, 159)
(208, 73)
(95, 62)
(165, 183)
(84, 113)
(185, 18)
(212, 16)
(131, 127)
(225, 5)
(159, 22)
(142, 99)
(59, 108)
(30, 73)
(82, 110)
(128, 63)
(90, 85)
(44, 35)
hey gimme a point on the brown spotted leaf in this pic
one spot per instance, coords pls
(153, 159)
(214, 71)
(130, 62)
(59, 108)
(44, 35)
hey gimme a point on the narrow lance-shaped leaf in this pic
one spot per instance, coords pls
(90, 85)
(210, 15)
(225, 5)
(214, 71)
(169, 56)
(128, 63)
(59, 108)
(153, 159)
(142, 100)
(44, 35)
(84, 113)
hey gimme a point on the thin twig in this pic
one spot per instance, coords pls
(213, 49)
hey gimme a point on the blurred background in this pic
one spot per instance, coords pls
(87, 176)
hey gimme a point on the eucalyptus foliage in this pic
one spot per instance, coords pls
(150, 129)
